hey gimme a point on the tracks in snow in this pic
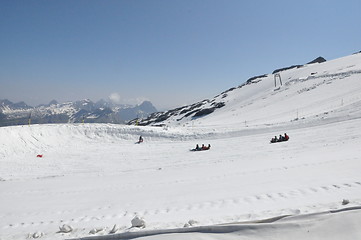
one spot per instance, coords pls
(114, 214)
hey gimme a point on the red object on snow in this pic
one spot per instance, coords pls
(39, 155)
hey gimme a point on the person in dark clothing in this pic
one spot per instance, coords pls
(286, 137)
(273, 140)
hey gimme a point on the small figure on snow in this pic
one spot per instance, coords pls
(280, 139)
(206, 148)
(140, 139)
(286, 137)
(203, 147)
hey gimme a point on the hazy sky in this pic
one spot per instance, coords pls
(171, 52)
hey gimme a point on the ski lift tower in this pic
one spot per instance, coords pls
(277, 75)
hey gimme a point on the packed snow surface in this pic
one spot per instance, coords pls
(70, 181)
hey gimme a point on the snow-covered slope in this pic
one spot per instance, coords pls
(91, 180)
(327, 89)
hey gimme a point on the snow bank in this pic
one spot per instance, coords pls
(327, 225)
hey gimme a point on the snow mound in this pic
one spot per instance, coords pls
(138, 222)
(65, 228)
(325, 225)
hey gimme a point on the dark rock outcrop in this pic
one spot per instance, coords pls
(317, 60)
(286, 68)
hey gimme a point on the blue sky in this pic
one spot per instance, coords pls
(171, 52)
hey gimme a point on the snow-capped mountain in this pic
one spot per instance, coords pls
(79, 111)
(7, 106)
(277, 97)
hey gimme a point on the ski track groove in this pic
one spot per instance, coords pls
(203, 206)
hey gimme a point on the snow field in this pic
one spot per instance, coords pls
(98, 177)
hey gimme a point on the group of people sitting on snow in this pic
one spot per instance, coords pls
(202, 148)
(280, 138)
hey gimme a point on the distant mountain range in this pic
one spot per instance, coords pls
(71, 112)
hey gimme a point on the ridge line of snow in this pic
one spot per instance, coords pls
(276, 222)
